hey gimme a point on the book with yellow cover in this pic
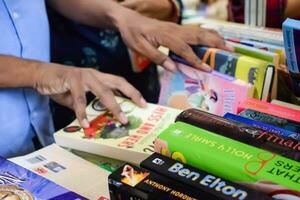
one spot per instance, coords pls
(107, 137)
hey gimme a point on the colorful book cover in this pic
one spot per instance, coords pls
(232, 160)
(212, 92)
(242, 132)
(17, 182)
(107, 137)
(251, 70)
(272, 109)
(286, 124)
(291, 32)
(215, 187)
(263, 126)
(131, 182)
(68, 170)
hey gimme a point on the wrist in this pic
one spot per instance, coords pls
(117, 16)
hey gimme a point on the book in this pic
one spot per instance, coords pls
(232, 160)
(272, 109)
(287, 147)
(256, 71)
(267, 127)
(280, 122)
(285, 104)
(17, 182)
(131, 182)
(212, 92)
(214, 186)
(105, 163)
(291, 33)
(67, 170)
(107, 137)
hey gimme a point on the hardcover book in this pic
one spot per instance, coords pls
(286, 124)
(267, 127)
(107, 137)
(272, 109)
(17, 182)
(131, 182)
(68, 170)
(285, 104)
(291, 32)
(251, 70)
(214, 186)
(232, 160)
(212, 92)
(242, 132)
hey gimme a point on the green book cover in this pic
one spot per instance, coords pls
(230, 159)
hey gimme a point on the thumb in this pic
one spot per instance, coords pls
(132, 4)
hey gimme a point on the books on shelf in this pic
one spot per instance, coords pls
(67, 170)
(285, 104)
(107, 137)
(212, 92)
(17, 182)
(253, 167)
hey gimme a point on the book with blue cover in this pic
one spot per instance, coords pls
(17, 182)
(262, 125)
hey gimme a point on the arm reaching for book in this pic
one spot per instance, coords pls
(67, 85)
(140, 33)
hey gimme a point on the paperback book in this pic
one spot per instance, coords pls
(258, 72)
(212, 92)
(17, 182)
(107, 137)
(253, 167)
(213, 186)
(280, 122)
(272, 109)
(248, 134)
(68, 170)
(266, 127)
(131, 182)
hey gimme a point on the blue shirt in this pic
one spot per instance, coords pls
(24, 33)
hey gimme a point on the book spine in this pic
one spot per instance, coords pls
(199, 180)
(227, 158)
(271, 109)
(266, 127)
(131, 182)
(238, 130)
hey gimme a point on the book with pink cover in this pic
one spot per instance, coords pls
(212, 92)
(269, 108)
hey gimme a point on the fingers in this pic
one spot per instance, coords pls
(79, 101)
(129, 4)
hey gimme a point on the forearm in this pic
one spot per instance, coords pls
(16, 72)
(292, 8)
(103, 13)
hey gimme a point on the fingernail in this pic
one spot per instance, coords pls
(205, 67)
(230, 48)
(85, 123)
(123, 119)
(143, 102)
(169, 65)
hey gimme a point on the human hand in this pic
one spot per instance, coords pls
(161, 9)
(144, 35)
(68, 86)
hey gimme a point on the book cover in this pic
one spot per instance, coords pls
(131, 182)
(263, 126)
(291, 32)
(251, 70)
(232, 160)
(285, 104)
(280, 122)
(107, 137)
(215, 187)
(68, 170)
(212, 92)
(17, 182)
(242, 132)
(272, 109)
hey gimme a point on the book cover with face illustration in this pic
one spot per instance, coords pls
(18, 183)
(106, 136)
(211, 92)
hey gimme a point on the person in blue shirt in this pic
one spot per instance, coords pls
(27, 79)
